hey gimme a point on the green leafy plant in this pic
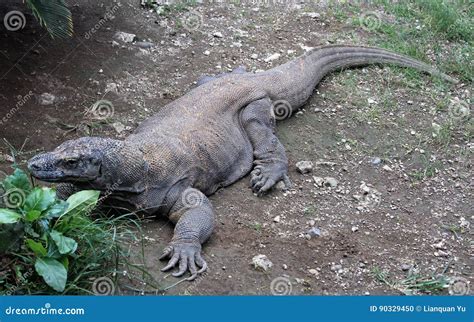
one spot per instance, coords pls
(42, 237)
(54, 16)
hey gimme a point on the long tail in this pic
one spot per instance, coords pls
(305, 72)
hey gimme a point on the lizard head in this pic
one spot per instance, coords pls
(80, 160)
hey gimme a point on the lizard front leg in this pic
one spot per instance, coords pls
(194, 218)
(271, 162)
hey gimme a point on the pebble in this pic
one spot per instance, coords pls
(336, 267)
(406, 267)
(218, 34)
(330, 182)
(304, 166)
(277, 219)
(270, 58)
(144, 44)
(314, 232)
(254, 56)
(318, 181)
(261, 262)
(387, 168)
(354, 229)
(207, 52)
(124, 36)
(47, 99)
(376, 161)
(118, 127)
(284, 266)
(111, 87)
(313, 271)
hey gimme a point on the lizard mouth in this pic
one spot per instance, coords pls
(48, 176)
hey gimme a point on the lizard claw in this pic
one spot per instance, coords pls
(264, 177)
(187, 256)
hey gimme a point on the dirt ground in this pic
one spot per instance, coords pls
(403, 200)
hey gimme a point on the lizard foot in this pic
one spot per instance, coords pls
(188, 255)
(265, 176)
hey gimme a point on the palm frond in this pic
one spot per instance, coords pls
(53, 15)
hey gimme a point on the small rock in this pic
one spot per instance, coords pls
(410, 102)
(144, 44)
(354, 229)
(330, 182)
(47, 99)
(406, 267)
(376, 161)
(371, 101)
(312, 15)
(313, 271)
(118, 127)
(336, 267)
(314, 232)
(218, 34)
(318, 181)
(254, 56)
(270, 58)
(317, 110)
(261, 262)
(207, 52)
(304, 166)
(277, 219)
(436, 129)
(124, 36)
(387, 168)
(111, 87)
(285, 267)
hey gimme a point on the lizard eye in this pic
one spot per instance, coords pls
(70, 163)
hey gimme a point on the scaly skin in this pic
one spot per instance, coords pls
(207, 139)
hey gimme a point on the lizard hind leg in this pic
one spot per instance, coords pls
(270, 160)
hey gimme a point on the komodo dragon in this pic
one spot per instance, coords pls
(207, 139)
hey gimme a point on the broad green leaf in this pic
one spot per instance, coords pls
(56, 210)
(53, 272)
(82, 201)
(36, 247)
(40, 199)
(32, 215)
(65, 244)
(8, 216)
(18, 180)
